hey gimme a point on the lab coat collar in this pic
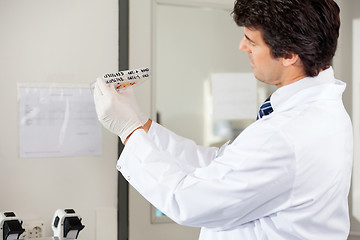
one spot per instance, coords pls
(281, 96)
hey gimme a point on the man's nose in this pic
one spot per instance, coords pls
(243, 46)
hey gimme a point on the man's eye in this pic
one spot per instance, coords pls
(251, 43)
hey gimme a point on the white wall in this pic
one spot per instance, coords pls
(356, 122)
(187, 51)
(70, 41)
(343, 65)
(355, 199)
(140, 40)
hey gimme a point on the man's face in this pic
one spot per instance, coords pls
(266, 68)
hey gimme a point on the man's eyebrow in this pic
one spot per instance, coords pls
(249, 39)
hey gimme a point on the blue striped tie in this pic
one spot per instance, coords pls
(265, 109)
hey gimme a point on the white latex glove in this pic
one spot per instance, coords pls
(132, 99)
(116, 110)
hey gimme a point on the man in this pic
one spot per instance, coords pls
(286, 176)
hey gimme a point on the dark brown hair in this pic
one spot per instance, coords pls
(308, 28)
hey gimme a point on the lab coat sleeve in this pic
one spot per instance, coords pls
(181, 149)
(251, 179)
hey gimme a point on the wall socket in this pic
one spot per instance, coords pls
(33, 229)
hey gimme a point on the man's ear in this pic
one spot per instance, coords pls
(290, 59)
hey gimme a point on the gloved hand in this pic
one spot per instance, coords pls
(132, 100)
(118, 112)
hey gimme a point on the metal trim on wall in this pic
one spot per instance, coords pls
(123, 186)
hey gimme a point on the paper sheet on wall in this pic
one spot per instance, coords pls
(234, 96)
(58, 122)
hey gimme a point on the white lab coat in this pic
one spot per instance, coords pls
(285, 177)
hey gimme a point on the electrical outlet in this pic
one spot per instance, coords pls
(33, 229)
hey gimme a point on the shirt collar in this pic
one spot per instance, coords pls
(284, 93)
